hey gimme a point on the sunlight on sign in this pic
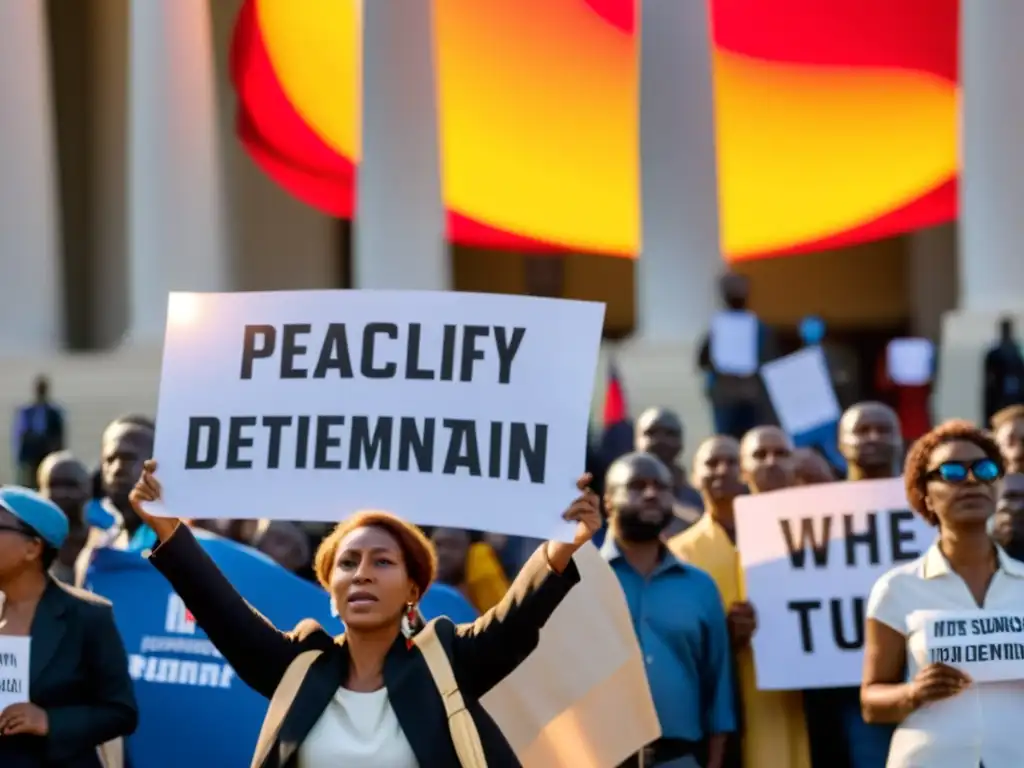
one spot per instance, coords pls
(183, 308)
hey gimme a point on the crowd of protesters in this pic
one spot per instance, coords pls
(668, 535)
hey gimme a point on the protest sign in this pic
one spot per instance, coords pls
(182, 683)
(14, 659)
(987, 645)
(810, 557)
(453, 409)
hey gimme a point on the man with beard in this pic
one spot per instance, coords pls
(772, 721)
(124, 448)
(766, 460)
(1008, 521)
(659, 431)
(870, 440)
(678, 616)
(64, 480)
(1008, 426)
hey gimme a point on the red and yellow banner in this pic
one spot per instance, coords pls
(836, 120)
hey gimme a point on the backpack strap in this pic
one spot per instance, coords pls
(284, 695)
(464, 733)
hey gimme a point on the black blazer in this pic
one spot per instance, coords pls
(78, 673)
(482, 654)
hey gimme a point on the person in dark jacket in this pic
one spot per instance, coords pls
(38, 432)
(79, 693)
(370, 699)
(1003, 372)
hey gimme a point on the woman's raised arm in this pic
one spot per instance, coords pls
(257, 651)
(489, 649)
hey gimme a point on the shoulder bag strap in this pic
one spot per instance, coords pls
(464, 734)
(284, 695)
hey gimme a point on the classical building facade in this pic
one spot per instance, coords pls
(121, 179)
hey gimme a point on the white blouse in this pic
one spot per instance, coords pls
(980, 725)
(357, 730)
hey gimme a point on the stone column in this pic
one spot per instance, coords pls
(400, 224)
(991, 228)
(680, 257)
(31, 307)
(992, 180)
(176, 232)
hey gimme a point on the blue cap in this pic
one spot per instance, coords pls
(37, 512)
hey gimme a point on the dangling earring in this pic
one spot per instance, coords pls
(409, 622)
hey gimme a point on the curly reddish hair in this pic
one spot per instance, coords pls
(417, 552)
(915, 471)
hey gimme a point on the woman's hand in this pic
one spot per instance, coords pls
(586, 512)
(936, 682)
(148, 490)
(24, 718)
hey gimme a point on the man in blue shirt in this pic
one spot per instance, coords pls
(678, 616)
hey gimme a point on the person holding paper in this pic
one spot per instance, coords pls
(65, 691)
(945, 720)
(677, 612)
(736, 346)
(870, 440)
(772, 721)
(370, 699)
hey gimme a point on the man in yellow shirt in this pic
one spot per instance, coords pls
(772, 722)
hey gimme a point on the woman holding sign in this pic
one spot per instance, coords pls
(370, 698)
(928, 653)
(64, 683)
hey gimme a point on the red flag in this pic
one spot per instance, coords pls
(615, 410)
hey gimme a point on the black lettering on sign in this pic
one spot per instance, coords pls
(513, 451)
(470, 352)
(291, 348)
(845, 639)
(803, 608)
(10, 685)
(237, 440)
(413, 370)
(368, 365)
(868, 538)
(258, 341)
(9, 660)
(275, 427)
(334, 354)
(899, 537)
(325, 441)
(991, 625)
(448, 352)
(413, 443)
(203, 442)
(373, 449)
(950, 628)
(817, 541)
(507, 348)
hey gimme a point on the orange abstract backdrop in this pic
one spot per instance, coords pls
(836, 121)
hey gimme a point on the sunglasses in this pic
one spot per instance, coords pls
(956, 472)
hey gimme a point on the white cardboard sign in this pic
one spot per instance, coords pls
(14, 659)
(810, 557)
(455, 409)
(987, 645)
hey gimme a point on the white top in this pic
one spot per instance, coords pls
(357, 730)
(980, 725)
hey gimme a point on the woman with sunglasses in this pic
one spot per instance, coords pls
(944, 719)
(79, 694)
